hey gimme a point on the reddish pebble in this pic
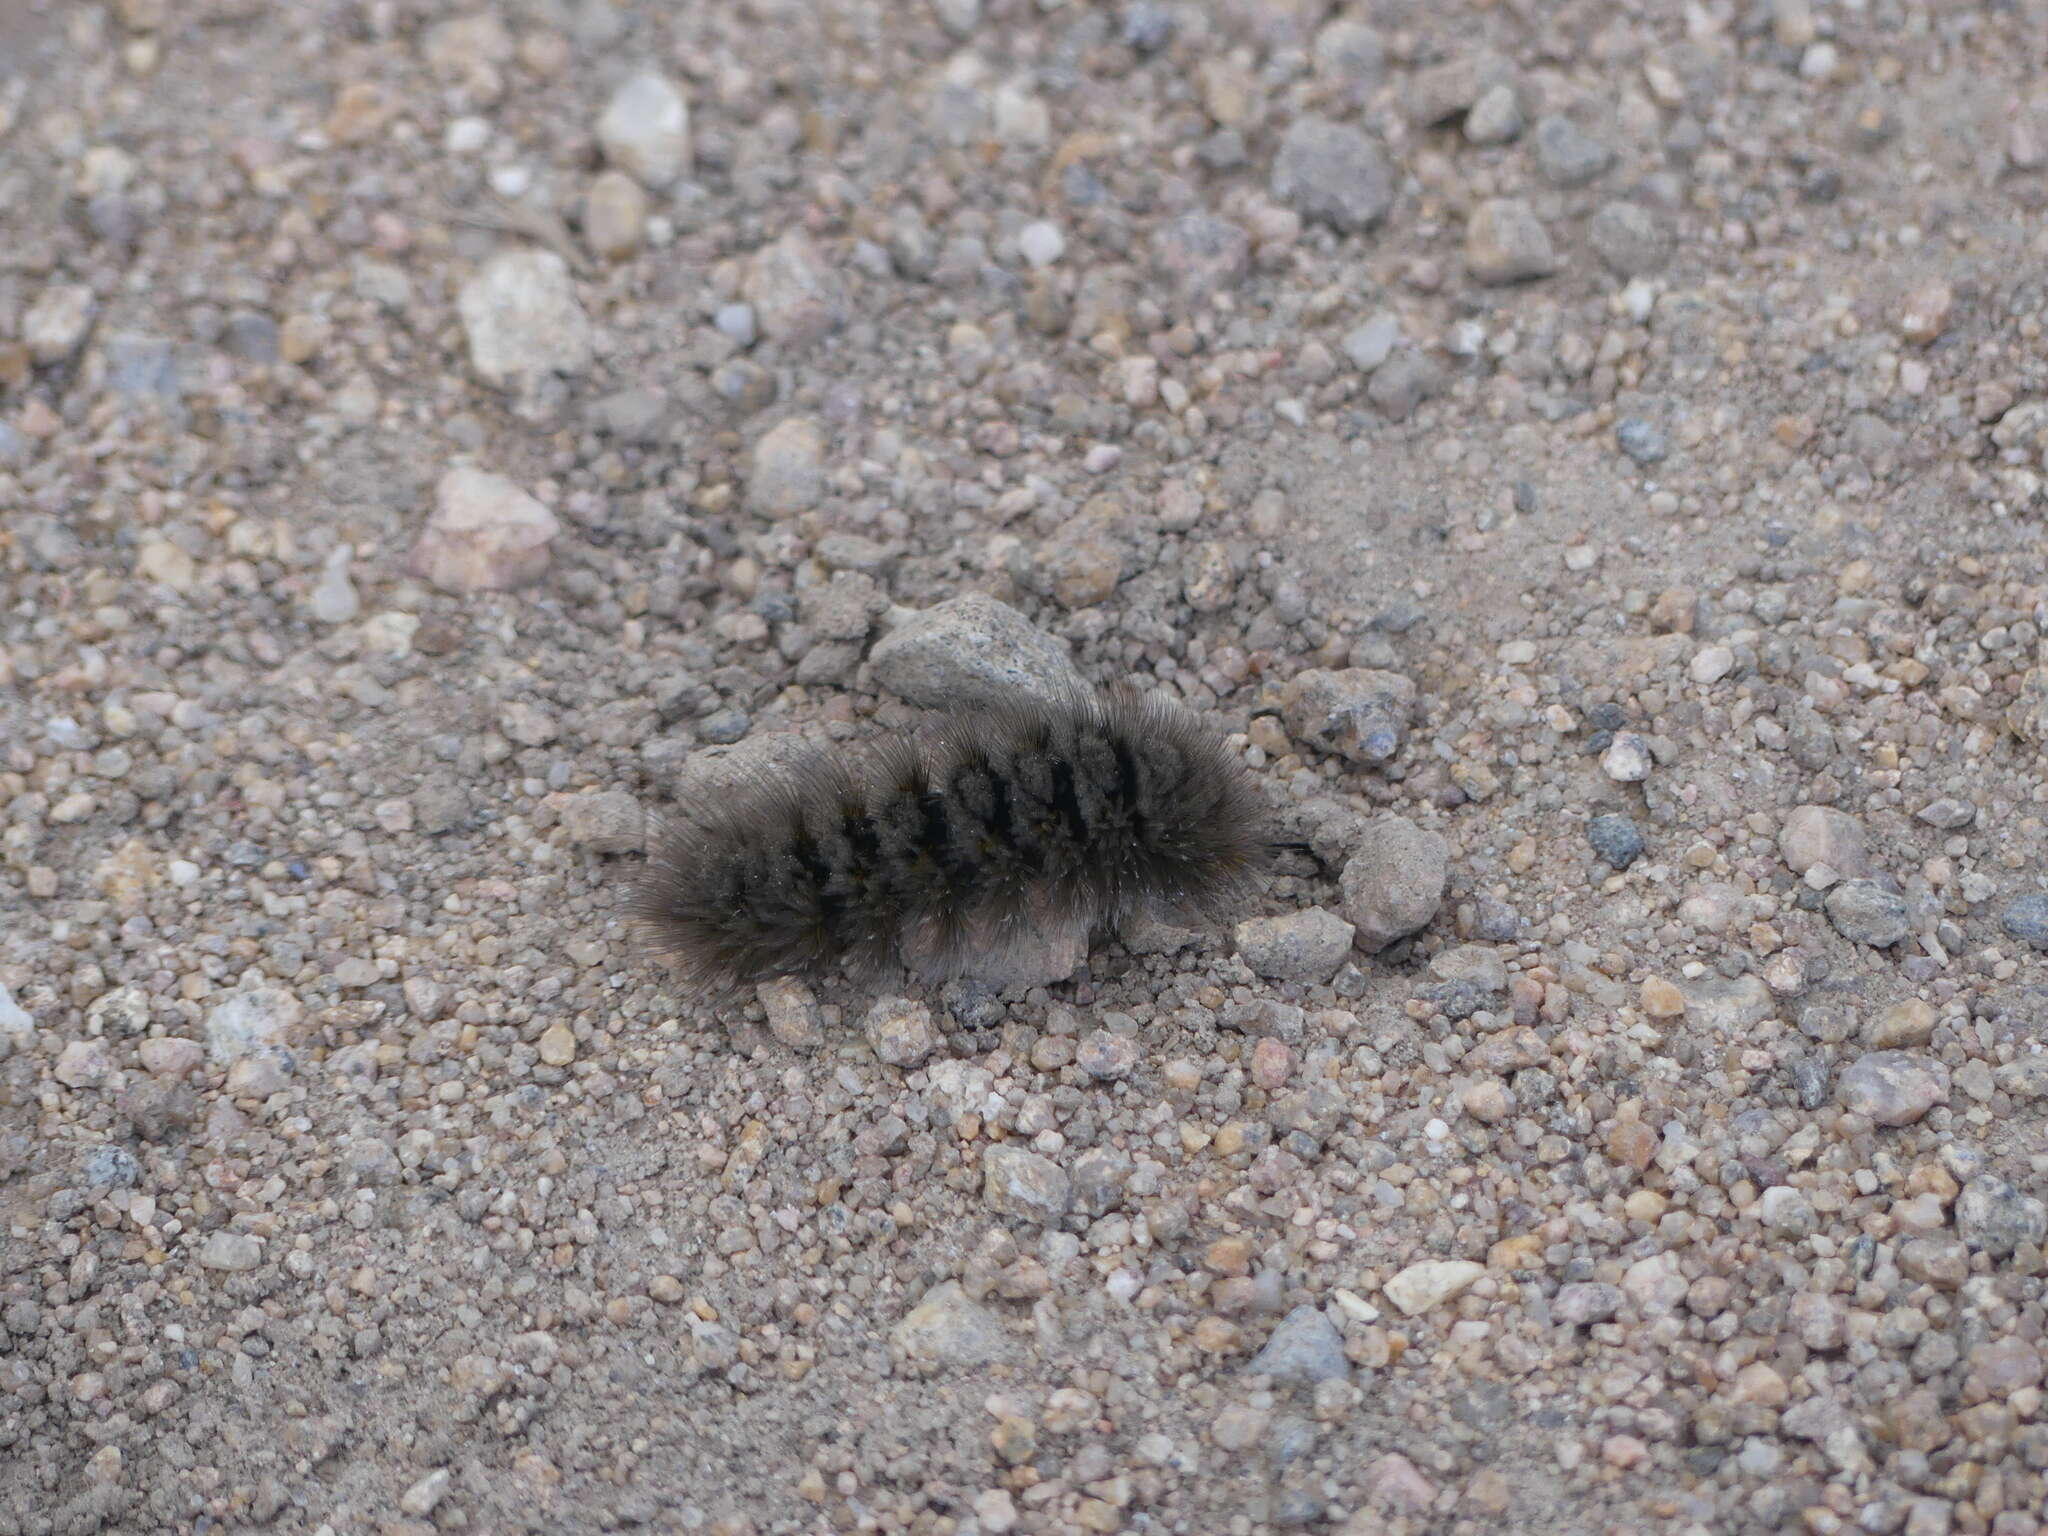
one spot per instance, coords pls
(1271, 1062)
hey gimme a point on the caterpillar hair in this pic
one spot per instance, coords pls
(932, 850)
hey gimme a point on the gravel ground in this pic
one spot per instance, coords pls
(1588, 457)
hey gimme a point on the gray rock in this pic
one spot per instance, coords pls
(792, 1009)
(1333, 172)
(261, 1019)
(1810, 1080)
(1641, 441)
(645, 130)
(1296, 946)
(798, 298)
(1732, 1004)
(1495, 118)
(971, 652)
(637, 415)
(523, 320)
(1358, 713)
(1819, 834)
(485, 534)
(1306, 1348)
(605, 821)
(1506, 243)
(1441, 92)
(1402, 383)
(948, 1328)
(1100, 1175)
(1567, 154)
(1993, 1216)
(1628, 238)
(1370, 344)
(900, 1031)
(1868, 913)
(1200, 254)
(1394, 882)
(1349, 58)
(1584, 1302)
(1947, 814)
(1018, 1182)
(111, 1167)
(233, 1252)
(1106, 1055)
(2026, 919)
(1616, 839)
(142, 367)
(1892, 1087)
(788, 471)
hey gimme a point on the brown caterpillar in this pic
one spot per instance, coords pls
(935, 849)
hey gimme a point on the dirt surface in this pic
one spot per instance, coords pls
(1587, 458)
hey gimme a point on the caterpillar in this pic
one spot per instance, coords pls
(933, 849)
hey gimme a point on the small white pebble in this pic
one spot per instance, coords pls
(1041, 243)
(466, 135)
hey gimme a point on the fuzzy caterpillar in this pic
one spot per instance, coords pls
(937, 848)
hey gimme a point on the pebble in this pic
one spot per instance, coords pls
(15, 1023)
(787, 474)
(1627, 758)
(1423, 1287)
(1020, 1183)
(170, 1056)
(614, 216)
(523, 320)
(1199, 254)
(1495, 118)
(900, 1031)
(1585, 1302)
(969, 652)
(1820, 835)
(1307, 945)
(645, 130)
(55, 325)
(604, 821)
(233, 1252)
(1040, 243)
(1303, 1349)
(1655, 1285)
(1927, 311)
(1568, 155)
(1892, 1087)
(1641, 441)
(425, 1495)
(798, 299)
(1628, 238)
(1333, 172)
(261, 1019)
(1994, 1216)
(1616, 839)
(485, 534)
(948, 1328)
(1948, 815)
(1868, 913)
(333, 599)
(793, 1015)
(1394, 881)
(1506, 243)
(1358, 713)
(1900, 1027)
(82, 1064)
(2026, 918)
(1710, 664)
(736, 322)
(1370, 344)
(1107, 1057)
(557, 1045)
(1402, 383)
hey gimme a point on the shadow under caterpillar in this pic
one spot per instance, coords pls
(938, 850)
